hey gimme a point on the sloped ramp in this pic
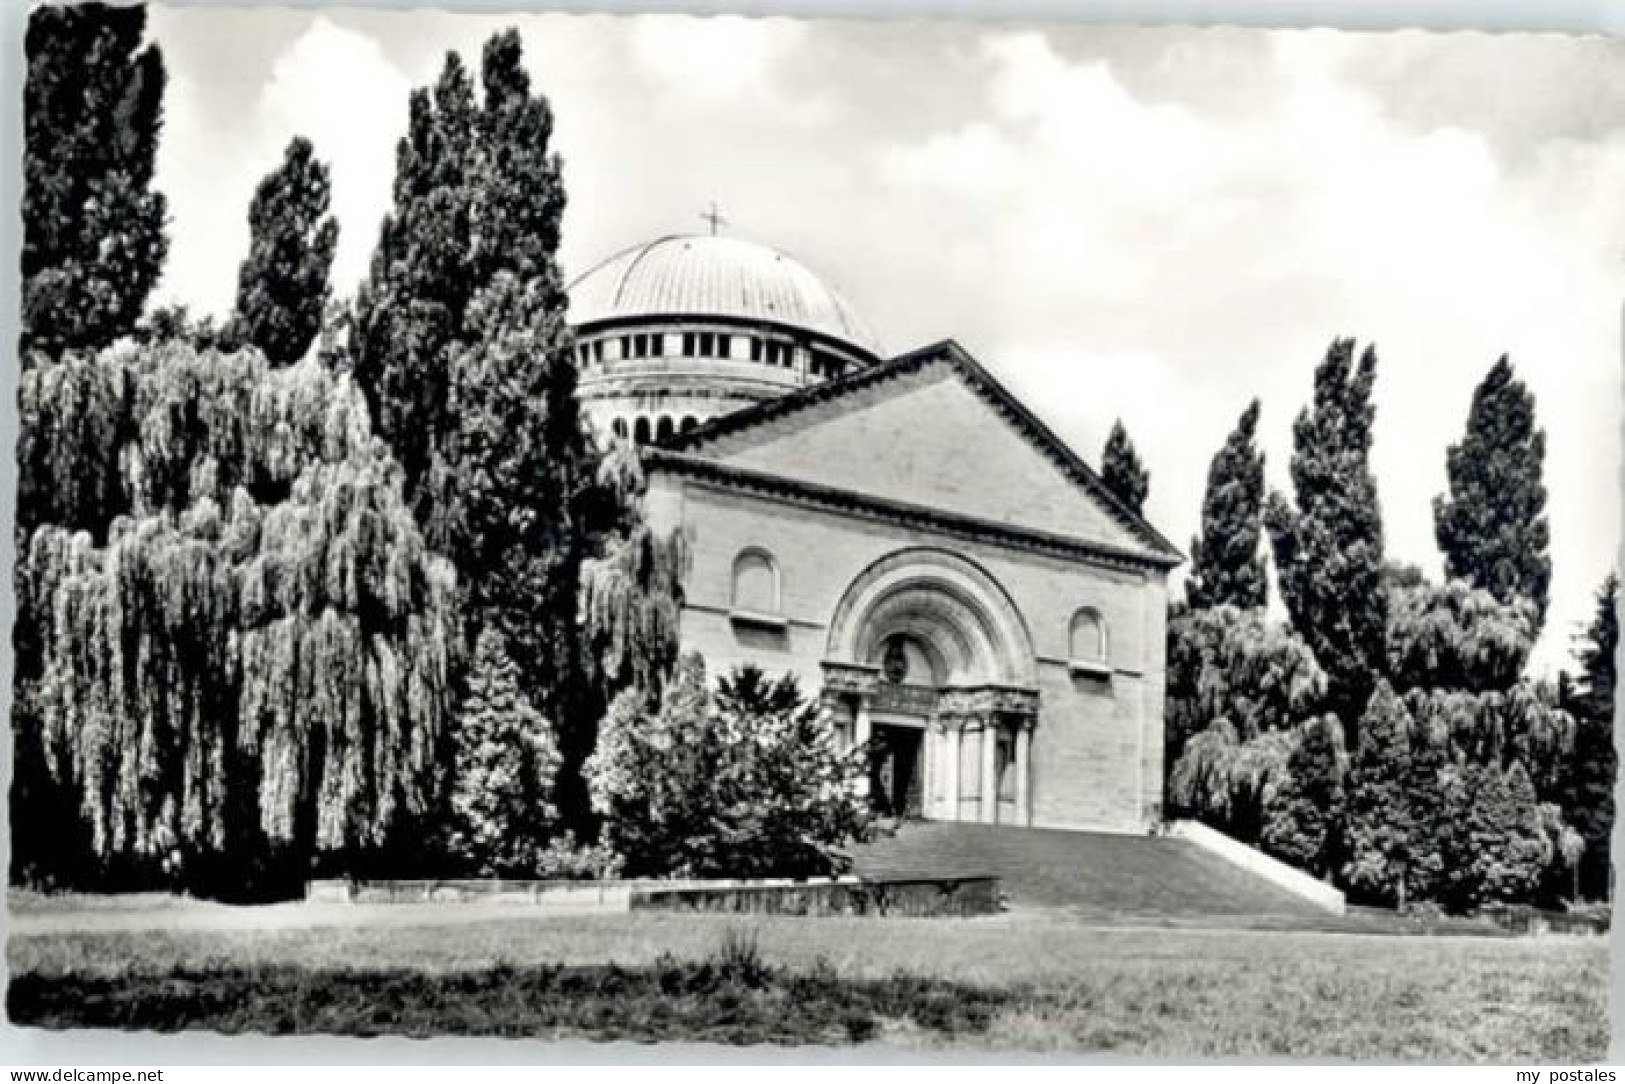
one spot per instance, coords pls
(1092, 874)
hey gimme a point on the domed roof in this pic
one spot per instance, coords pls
(706, 275)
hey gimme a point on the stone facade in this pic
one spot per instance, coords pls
(950, 578)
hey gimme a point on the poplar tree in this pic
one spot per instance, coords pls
(461, 341)
(410, 309)
(1587, 798)
(1121, 470)
(1328, 545)
(93, 227)
(1492, 526)
(1227, 568)
(282, 286)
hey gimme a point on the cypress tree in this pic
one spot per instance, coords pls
(1329, 546)
(282, 287)
(1121, 470)
(1492, 526)
(1226, 566)
(93, 228)
(1430, 813)
(506, 757)
(1379, 825)
(1304, 819)
(1501, 848)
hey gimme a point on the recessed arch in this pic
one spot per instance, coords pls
(665, 429)
(1087, 636)
(943, 600)
(640, 431)
(756, 582)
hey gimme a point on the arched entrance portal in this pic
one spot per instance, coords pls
(930, 667)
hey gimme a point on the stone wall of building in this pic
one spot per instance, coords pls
(1096, 750)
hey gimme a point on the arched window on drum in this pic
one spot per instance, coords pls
(755, 583)
(1088, 645)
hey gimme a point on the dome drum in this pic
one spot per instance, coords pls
(685, 328)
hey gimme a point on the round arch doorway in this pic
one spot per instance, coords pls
(929, 666)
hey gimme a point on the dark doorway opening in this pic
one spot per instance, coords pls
(897, 770)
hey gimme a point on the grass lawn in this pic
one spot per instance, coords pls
(1016, 981)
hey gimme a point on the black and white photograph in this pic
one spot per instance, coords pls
(923, 537)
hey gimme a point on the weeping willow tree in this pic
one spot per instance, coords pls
(256, 659)
(632, 592)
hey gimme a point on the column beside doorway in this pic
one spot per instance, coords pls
(986, 712)
(1024, 791)
(990, 778)
(950, 731)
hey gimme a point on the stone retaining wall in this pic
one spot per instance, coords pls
(913, 896)
(959, 897)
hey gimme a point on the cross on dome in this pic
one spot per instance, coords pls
(714, 217)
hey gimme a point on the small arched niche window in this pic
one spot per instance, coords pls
(664, 430)
(1087, 643)
(755, 583)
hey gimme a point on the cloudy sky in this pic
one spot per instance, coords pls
(1156, 225)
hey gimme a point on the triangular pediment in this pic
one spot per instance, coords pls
(930, 429)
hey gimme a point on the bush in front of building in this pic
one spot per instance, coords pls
(740, 782)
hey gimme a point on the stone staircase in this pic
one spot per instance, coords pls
(1094, 874)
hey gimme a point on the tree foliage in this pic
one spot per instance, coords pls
(502, 809)
(736, 785)
(1230, 783)
(93, 227)
(508, 507)
(461, 344)
(256, 657)
(282, 288)
(477, 194)
(1456, 637)
(1122, 471)
(1501, 847)
(1587, 794)
(1492, 526)
(1225, 663)
(1329, 544)
(1303, 822)
(1380, 829)
(1227, 568)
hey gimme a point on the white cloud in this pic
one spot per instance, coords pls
(336, 87)
(1146, 260)
(712, 61)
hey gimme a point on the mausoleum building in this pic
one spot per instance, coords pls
(903, 534)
